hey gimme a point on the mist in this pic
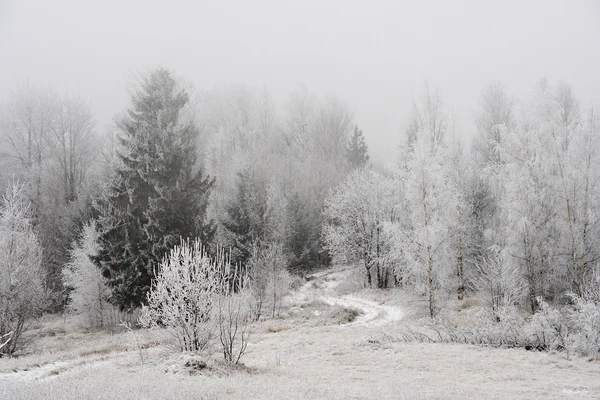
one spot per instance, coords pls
(374, 56)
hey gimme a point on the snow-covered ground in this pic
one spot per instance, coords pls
(352, 361)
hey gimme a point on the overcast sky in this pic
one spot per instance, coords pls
(373, 55)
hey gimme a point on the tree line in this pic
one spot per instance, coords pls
(228, 170)
(514, 220)
(89, 220)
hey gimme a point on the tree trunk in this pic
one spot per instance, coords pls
(430, 283)
(460, 273)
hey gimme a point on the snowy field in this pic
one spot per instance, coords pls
(299, 356)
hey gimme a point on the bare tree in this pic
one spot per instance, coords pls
(74, 143)
(25, 128)
(235, 312)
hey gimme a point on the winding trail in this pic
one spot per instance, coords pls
(321, 286)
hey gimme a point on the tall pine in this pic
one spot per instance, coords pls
(159, 194)
(357, 152)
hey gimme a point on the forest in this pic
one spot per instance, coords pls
(223, 202)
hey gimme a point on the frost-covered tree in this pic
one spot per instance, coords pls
(73, 144)
(49, 141)
(495, 112)
(245, 221)
(356, 213)
(431, 202)
(498, 283)
(22, 295)
(183, 297)
(159, 193)
(465, 241)
(538, 194)
(576, 160)
(357, 151)
(89, 293)
(198, 297)
(270, 280)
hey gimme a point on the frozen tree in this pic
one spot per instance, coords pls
(159, 192)
(184, 295)
(89, 289)
(498, 283)
(357, 150)
(22, 296)
(464, 241)
(49, 140)
(235, 311)
(356, 213)
(431, 200)
(197, 297)
(576, 160)
(26, 134)
(529, 203)
(270, 280)
(245, 221)
(74, 144)
(495, 113)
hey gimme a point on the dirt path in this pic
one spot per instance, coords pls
(322, 286)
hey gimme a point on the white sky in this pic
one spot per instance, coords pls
(374, 55)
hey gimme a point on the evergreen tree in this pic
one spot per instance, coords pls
(245, 221)
(159, 193)
(357, 152)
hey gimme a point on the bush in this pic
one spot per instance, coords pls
(585, 322)
(574, 329)
(183, 296)
(197, 297)
(548, 329)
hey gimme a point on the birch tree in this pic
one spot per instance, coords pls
(431, 201)
(357, 213)
(22, 296)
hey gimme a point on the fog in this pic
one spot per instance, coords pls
(375, 56)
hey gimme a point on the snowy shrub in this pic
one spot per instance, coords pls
(184, 295)
(89, 291)
(548, 329)
(197, 297)
(585, 320)
(585, 323)
(22, 296)
(507, 332)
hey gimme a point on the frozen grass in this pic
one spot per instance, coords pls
(326, 362)
(297, 358)
(62, 340)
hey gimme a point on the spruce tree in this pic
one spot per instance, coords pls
(245, 221)
(357, 152)
(159, 193)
